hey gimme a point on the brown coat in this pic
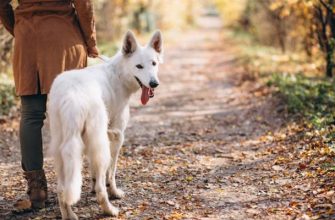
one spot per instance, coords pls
(51, 36)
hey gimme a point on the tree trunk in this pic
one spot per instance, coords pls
(325, 22)
(330, 63)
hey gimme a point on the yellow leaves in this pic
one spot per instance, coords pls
(189, 178)
(144, 2)
(284, 8)
(158, 161)
(231, 11)
(266, 138)
(143, 206)
(281, 160)
(293, 204)
(175, 216)
(325, 151)
(285, 13)
(308, 174)
(287, 7)
(276, 5)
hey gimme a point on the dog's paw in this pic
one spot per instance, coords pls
(71, 216)
(111, 211)
(116, 194)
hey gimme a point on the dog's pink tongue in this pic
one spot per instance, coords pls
(145, 95)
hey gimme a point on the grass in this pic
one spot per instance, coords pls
(297, 78)
(7, 94)
(266, 60)
(312, 98)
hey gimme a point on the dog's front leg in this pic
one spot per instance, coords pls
(116, 138)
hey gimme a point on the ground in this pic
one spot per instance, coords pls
(211, 144)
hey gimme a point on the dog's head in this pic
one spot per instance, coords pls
(142, 63)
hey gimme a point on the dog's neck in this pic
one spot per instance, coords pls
(127, 83)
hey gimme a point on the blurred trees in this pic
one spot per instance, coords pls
(231, 11)
(315, 20)
(114, 17)
(300, 25)
(5, 49)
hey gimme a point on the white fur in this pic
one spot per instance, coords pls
(82, 104)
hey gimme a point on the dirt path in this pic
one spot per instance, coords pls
(198, 150)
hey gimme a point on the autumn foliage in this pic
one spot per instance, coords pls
(241, 127)
(291, 25)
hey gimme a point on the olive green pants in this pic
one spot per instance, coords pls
(32, 116)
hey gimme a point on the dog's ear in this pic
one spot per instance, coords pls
(156, 42)
(129, 43)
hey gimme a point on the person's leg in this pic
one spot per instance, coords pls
(32, 116)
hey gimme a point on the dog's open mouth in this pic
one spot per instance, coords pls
(147, 93)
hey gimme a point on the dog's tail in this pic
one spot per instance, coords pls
(70, 169)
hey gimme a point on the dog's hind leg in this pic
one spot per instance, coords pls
(92, 171)
(98, 153)
(100, 159)
(116, 140)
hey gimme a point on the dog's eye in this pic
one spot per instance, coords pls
(139, 66)
(154, 63)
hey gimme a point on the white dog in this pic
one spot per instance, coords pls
(83, 103)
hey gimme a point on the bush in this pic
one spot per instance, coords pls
(312, 98)
(7, 95)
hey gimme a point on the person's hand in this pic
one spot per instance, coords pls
(93, 52)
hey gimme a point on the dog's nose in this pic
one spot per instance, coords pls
(153, 83)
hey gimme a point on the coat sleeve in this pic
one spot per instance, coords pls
(7, 15)
(85, 14)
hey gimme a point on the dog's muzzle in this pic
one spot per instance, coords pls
(153, 84)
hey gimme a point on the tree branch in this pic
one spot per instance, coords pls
(328, 7)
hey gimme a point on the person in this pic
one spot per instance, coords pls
(50, 36)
